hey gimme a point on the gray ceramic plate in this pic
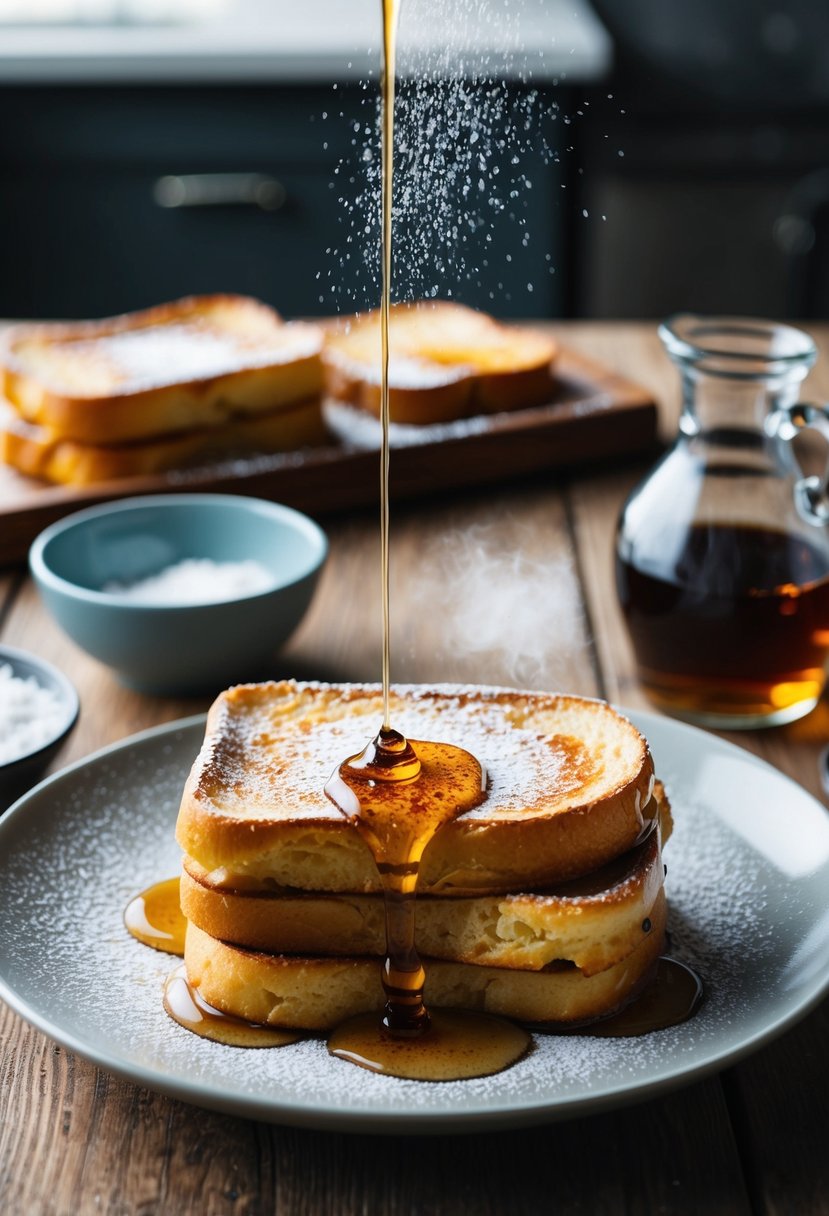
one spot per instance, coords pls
(748, 875)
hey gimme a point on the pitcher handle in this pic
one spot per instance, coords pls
(811, 494)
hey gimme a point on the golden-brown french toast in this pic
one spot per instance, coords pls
(38, 452)
(183, 366)
(446, 361)
(570, 785)
(593, 922)
(318, 993)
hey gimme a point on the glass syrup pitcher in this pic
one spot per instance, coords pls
(722, 552)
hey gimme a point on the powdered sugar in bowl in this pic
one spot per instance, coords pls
(180, 592)
(38, 708)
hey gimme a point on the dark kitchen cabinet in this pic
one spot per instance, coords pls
(710, 215)
(711, 162)
(83, 232)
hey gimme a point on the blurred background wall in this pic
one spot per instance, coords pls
(153, 148)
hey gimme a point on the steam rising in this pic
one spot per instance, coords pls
(508, 615)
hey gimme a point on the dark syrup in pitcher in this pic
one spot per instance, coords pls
(735, 622)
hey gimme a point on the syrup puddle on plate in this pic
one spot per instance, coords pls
(184, 1005)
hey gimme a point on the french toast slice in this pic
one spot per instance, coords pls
(570, 785)
(318, 993)
(38, 452)
(182, 366)
(446, 361)
(593, 922)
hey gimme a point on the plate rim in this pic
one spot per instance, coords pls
(365, 1120)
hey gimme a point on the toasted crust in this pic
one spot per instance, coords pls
(318, 993)
(446, 362)
(182, 366)
(593, 922)
(449, 394)
(570, 787)
(35, 451)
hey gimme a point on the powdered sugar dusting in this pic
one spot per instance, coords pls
(73, 857)
(170, 353)
(138, 355)
(407, 371)
(360, 429)
(266, 762)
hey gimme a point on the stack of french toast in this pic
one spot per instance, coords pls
(544, 904)
(213, 377)
(151, 391)
(446, 361)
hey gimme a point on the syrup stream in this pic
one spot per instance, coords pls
(397, 794)
(391, 15)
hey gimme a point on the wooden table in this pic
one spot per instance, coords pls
(750, 1140)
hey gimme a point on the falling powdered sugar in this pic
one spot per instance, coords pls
(470, 130)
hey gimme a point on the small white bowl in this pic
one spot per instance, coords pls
(21, 772)
(178, 648)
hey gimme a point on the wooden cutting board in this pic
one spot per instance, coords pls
(595, 415)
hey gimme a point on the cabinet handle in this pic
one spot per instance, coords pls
(220, 190)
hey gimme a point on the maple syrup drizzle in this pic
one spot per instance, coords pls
(184, 1005)
(671, 996)
(459, 1044)
(391, 17)
(155, 918)
(397, 794)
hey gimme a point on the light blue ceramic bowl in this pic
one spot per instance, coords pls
(164, 648)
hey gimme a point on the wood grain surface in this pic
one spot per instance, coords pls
(747, 1142)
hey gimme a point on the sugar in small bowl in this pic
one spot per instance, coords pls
(180, 593)
(38, 709)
